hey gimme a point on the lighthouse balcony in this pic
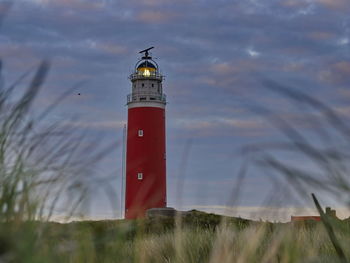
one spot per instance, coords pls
(149, 75)
(146, 97)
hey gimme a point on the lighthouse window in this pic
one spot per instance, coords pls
(140, 133)
(139, 176)
(143, 84)
(152, 85)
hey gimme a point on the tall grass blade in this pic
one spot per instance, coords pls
(327, 224)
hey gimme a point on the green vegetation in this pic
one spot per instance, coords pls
(200, 238)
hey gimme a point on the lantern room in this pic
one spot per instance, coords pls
(146, 68)
(146, 81)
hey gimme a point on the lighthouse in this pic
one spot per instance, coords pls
(145, 146)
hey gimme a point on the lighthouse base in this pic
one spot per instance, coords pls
(160, 212)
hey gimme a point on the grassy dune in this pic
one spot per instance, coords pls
(201, 237)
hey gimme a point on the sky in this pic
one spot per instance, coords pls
(220, 59)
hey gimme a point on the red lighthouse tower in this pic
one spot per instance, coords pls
(145, 149)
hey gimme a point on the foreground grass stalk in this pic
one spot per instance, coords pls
(328, 225)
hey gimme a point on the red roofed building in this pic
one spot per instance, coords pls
(329, 212)
(304, 218)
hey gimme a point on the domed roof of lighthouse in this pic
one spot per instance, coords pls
(146, 64)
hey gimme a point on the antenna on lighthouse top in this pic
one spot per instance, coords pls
(146, 53)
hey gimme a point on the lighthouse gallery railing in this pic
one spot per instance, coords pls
(151, 75)
(146, 97)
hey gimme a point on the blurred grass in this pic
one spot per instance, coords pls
(43, 168)
(228, 240)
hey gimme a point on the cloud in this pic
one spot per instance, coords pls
(343, 41)
(151, 16)
(16, 51)
(337, 73)
(295, 3)
(71, 4)
(218, 126)
(113, 48)
(252, 52)
(97, 125)
(321, 35)
(243, 123)
(157, 3)
(236, 67)
(344, 92)
(343, 111)
(223, 68)
(335, 4)
(4, 8)
(294, 67)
